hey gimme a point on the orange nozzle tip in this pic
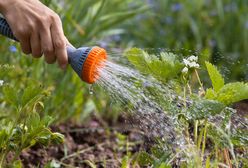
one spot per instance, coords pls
(93, 61)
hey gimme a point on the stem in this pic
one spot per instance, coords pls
(184, 97)
(190, 91)
(204, 138)
(199, 80)
(196, 131)
(2, 159)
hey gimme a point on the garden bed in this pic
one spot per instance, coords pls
(88, 143)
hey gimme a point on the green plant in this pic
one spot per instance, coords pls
(23, 124)
(199, 108)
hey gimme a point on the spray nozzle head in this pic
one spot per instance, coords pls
(85, 61)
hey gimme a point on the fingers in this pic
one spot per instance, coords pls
(47, 45)
(35, 45)
(48, 39)
(59, 43)
(25, 45)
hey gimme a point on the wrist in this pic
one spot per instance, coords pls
(5, 4)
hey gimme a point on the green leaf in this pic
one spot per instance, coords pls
(210, 94)
(3, 137)
(137, 57)
(233, 92)
(144, 159)
(124, 162)
(57, 138)
(164, 66)
(164, 165)
(204, 108)
(215, 76)
(11, 96)
(17, 164)
(33, 121)
(208, 162)
(30, 93)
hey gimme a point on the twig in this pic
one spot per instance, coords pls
(80, 152)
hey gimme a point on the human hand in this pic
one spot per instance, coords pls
(38, 28)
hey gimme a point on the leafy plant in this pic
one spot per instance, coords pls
(24, 126)
(164, 66)
(227, 94)
(197, 109)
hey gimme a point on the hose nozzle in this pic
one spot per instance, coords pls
(85, 62)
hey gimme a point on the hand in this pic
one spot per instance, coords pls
(38, 29)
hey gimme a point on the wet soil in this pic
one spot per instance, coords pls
(87, 143)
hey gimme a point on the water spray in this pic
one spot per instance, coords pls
(84, 61)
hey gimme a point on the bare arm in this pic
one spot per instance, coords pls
(38, 28)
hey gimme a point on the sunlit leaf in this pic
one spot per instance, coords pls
(215, 76)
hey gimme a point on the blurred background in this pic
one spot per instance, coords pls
(216, 29)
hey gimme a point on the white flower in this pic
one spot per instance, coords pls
(186, 62)
(1, 82)
(185, 70)
(194, 65)
(191, 62)
(192, 58)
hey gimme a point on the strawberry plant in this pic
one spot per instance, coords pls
(204, 116)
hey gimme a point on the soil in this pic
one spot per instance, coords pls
(91, 142)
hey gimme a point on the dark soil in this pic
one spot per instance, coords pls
(105, 147)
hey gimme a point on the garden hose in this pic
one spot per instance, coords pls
(84, 61)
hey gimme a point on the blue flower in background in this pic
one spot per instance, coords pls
(12, 49)
(176, 7)
(246, 25)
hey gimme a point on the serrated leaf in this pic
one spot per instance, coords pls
(137, 57)
(210, 94)
(163, 66)
(215, 76)
(233, 92)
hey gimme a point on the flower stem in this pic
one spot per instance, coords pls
(196, 131)
(199, 80)
(204, 138)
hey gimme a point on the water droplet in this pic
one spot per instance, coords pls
(91, 89)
